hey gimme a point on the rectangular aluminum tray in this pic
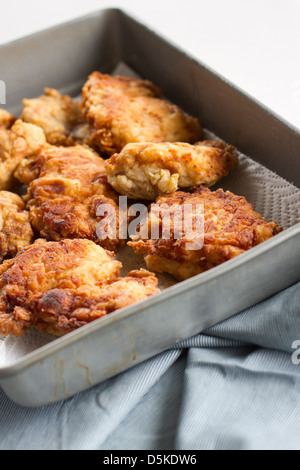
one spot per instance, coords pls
(62, 57)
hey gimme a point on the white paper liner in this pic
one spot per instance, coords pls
(272, 196)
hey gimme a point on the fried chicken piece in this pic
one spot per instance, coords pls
(146, 170)
(58, 287)
(6, 119)
(15, 229)
(20, 142)
(62, 313)
(123, 110)
(218, 227)
(59, 116)
(68, 196)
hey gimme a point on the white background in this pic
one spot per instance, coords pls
(253, 43)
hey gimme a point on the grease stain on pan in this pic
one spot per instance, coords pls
(87, 372)
(132, 347)
(125, 363)
(59, 381)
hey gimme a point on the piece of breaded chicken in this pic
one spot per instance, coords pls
(218, 227)
(123, 110)
(20, 142)
(6, 119)
(60, 286)
(15, 229)
(59, 116)
(61, 313)
(69, 196)
(149, 170)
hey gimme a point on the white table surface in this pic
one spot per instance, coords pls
(255, 44)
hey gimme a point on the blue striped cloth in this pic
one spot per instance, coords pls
(233, 387)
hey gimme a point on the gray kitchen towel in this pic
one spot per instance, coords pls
(236, 386)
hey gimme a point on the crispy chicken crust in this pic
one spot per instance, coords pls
(58, 287)
(230, 228)
(123, 110)
(15, 229)
(149, 170)
(6, 119)
(65, 196)
(20, 142)
(59, 116)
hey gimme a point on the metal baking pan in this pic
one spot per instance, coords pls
(62, 57)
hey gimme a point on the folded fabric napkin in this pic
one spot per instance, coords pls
(236, 386)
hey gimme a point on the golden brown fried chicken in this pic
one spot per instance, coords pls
(6, 119)
(123, 110)
(15, 229)
(62, 313)
(228, 227)
(59, 116)
(149, 170)
(20, 142)
(67, 193)
(60, 286)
